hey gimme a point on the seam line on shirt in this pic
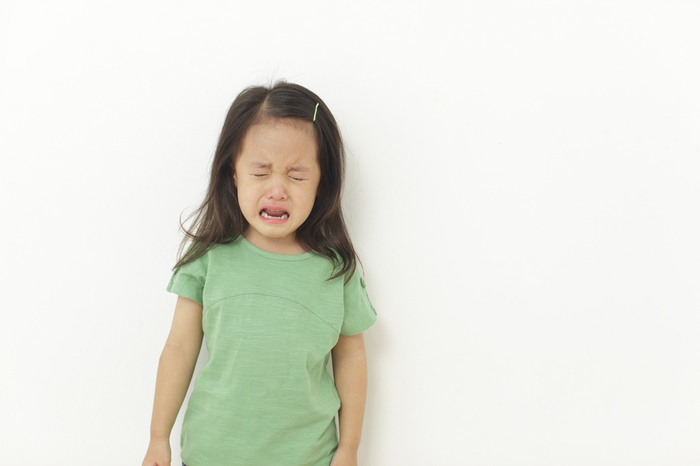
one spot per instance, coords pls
(271, 296)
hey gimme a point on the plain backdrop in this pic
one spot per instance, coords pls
(522, 189)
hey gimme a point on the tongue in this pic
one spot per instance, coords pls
(274, 213)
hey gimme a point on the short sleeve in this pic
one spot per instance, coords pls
(359, 314)
(189, 280)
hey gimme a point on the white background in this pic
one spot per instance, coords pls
(522, 188)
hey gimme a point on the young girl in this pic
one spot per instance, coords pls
(270, 279)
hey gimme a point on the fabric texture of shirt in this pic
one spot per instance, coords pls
(265, 396)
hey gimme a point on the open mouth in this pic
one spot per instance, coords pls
(274, 214)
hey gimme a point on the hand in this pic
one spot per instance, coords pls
(158, 453)
(345, 457)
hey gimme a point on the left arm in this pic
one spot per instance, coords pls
(350, 373)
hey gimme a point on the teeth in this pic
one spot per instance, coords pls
(264, 214)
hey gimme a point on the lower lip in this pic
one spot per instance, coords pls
(273, 220)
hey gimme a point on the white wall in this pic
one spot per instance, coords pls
(523, 191)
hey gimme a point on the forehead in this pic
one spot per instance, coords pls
(279, 143)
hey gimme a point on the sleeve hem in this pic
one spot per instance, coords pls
(186, 286)
(362, 328)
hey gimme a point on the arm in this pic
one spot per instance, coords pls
(175, 369)
(350, 373)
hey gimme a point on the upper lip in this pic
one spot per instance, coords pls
(271, 207)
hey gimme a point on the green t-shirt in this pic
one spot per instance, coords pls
(265, 396)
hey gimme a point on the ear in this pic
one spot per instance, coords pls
(235, 180)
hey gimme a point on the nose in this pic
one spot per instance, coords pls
(277, 188)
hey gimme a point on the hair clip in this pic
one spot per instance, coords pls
(315, 110)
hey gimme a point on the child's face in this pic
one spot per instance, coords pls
(277, 171)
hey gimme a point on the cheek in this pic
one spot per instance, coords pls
(310, 200)
(245, 198)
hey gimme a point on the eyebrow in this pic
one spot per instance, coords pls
(297, 168)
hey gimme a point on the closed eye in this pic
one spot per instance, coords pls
(260, 175)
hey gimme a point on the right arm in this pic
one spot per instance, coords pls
(175, 369)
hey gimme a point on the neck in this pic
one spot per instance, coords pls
(286, 246)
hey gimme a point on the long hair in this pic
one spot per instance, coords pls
(219, 219)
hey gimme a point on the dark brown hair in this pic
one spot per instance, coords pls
(219, 219)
